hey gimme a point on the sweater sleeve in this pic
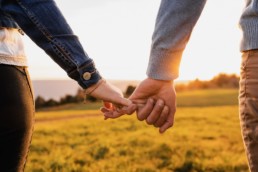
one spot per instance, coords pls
(174, 24)
(248, 24)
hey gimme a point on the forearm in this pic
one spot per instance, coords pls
(174, 24)
(45, 25)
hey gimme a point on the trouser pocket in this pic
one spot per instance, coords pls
(24, 71)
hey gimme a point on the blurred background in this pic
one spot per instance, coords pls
(71, 136)
(117, 35)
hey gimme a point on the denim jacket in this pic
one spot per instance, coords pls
(43, 22)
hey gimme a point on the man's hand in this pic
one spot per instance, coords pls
(151, 92)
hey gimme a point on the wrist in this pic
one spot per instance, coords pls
(92, 88)
(160, 81)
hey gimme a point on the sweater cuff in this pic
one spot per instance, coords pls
(250, 35)
(164, 65)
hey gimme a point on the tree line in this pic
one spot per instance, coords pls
(220, 81)
(79, 97)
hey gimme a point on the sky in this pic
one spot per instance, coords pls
(116, 34)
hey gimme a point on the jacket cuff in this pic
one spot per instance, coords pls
(86, 75)
(164, 65)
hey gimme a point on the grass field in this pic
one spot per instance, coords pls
(205, 138)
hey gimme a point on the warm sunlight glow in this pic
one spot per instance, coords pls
(117, 35)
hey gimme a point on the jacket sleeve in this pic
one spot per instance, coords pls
(174, 24)
(43, 22)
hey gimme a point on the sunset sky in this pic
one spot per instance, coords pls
(117, 35)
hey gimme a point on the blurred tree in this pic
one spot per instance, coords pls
(67, 99)
(220, 81)
(80, 95)
(226, 81)
(90, 98)
(51, 103)
(40, 102)
(130, 89)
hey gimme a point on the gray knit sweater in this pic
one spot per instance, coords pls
(174, 25)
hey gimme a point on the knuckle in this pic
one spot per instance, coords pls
(160, 106)
(166, 110)
(163, 115)
(157, 110)
(161, 102)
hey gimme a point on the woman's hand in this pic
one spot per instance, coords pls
(112, 97)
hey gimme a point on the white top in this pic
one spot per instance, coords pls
(11, 47)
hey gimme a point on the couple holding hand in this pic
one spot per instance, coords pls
(153, 100)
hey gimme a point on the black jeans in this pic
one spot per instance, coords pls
(16, 117)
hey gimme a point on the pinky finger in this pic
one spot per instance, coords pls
(166, 126)
(104, 110)
(112, 114)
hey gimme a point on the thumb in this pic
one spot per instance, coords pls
(117, 101)
(109, 93)
(121, 102)
(124, 102)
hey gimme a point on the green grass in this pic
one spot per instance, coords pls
(203, 139)
(209, 97)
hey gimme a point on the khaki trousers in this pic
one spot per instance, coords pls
(248, 105)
